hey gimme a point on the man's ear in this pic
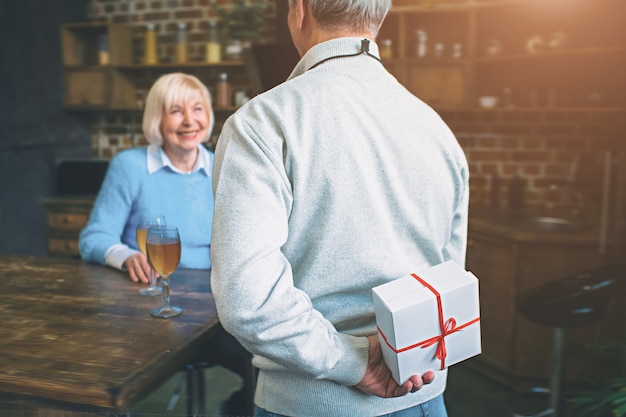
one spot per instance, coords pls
(381, 22)
(300, 11)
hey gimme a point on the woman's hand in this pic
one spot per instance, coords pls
(138, 268)
(379, 381)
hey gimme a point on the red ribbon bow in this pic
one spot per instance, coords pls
(448, 327)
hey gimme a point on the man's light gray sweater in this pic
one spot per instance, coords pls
(330, 184)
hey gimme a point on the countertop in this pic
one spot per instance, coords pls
(77, 335)
(519, 227)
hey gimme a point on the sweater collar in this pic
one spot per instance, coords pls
(328, 49)
(157, 159)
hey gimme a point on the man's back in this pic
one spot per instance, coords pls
(328, 185)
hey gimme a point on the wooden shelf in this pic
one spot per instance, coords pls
(591, 59)
(437, 61)
(562, 53)
(228, 109)
(552, 109)
(118, 84)
(80, 43)
(186, 65)
(440, 8)
(164, 65)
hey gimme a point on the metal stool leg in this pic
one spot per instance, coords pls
(557, 370)
(544, 402)
(195, 390)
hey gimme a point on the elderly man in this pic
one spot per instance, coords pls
(334, 182)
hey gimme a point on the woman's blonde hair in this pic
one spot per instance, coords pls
(167, 91)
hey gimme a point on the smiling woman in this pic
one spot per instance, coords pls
(169, 91)
(171, 177)
(179, 117)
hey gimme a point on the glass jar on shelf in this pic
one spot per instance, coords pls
(182, 44)
(103, 49)
(422, 39)
(214, 43)
(234, 50)
(150, 45)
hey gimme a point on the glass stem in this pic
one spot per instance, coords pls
(152, 278)
(165, 281)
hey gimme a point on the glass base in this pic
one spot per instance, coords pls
(166, 312)
(151, 291)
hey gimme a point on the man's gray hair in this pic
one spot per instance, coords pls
(355, 15)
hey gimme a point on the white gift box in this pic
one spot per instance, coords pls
(428, 320)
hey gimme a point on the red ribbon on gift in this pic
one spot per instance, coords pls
(448, 327)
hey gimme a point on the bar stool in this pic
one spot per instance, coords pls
(195, 387)
(225, 352)
(574, 301)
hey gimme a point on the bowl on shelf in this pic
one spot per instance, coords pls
(488, 102)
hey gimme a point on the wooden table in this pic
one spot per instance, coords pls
(76, 336)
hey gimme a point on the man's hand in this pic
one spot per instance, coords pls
(378, 380)
(138, 268)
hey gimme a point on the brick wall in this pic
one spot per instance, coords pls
(539, 146)
(166, 15)
(115, 131)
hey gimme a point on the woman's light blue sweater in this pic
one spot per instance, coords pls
(129, 190)
(328, 185)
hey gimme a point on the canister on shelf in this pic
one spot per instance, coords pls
(234, 49)
(213, 44)
(422, 38)
(457, 50)
(103, 49)
(150, 45)
(182, 44)
(223, 91)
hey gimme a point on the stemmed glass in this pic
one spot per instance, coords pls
(163, 244)
(145, 223)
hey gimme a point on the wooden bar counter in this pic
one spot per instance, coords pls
(509, 258)
(77, 336)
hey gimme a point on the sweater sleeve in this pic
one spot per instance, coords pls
(110, 212)
(457, 247)
(252, 279)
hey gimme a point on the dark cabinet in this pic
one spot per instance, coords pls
(65, 218)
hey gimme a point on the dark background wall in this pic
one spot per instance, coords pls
(35, 130)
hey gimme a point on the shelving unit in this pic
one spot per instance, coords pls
(568, 55)
(119, 83)
(437, 78)
(89, 82)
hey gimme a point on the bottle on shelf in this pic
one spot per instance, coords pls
(234, 50)
(223, 91)
(150, 45)
(213, 44)
(422, 38)
(182, 44)
(457, 50)
(103, 49)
